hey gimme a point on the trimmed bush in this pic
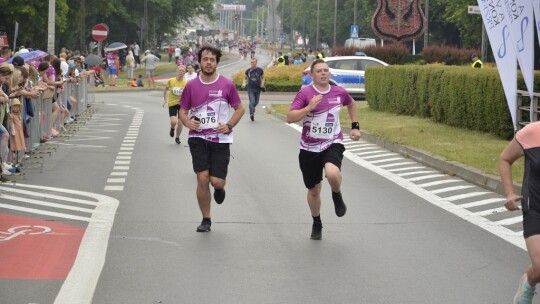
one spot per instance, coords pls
(447, 55)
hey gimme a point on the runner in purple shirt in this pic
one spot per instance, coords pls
(321, 145)
(210, 98)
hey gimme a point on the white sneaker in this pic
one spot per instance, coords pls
(6, 172)
(6, 166)
(70, 120)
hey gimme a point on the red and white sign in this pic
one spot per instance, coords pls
(3, 40)
(100, 32)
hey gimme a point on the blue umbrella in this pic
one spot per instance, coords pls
(115, 46)
(30, 56)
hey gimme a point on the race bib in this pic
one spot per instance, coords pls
(209, 120)
(321, 128)
(177, 91)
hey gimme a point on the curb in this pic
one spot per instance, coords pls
(452, 168)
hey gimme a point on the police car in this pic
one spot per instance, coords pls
(347, 72)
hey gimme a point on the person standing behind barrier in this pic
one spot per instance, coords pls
(136, 51)
(130, 64)
(16, 142)
(171, 95)
(254, 77)
(525, 143)
(321, 147)
(209, 99)
(5, 54)
(477, 63)
(150, 61)
(6, 70)
(112, 64)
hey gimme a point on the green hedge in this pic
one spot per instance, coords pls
(456, 96)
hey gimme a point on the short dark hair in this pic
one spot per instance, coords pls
(316, 61)
(212, 50)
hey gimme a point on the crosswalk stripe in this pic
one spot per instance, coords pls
(415, 172)
(448, 189)
(405, 169)
(414, 179)
(510, 221)
(491, 211)
(46, 204)
(482, 202)
(440, 182)
(397, 164)
(43, 212)
(466, 195)
(45, 195)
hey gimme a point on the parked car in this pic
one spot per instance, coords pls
(347, 72)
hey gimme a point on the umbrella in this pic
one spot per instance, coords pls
(115, 46)
(92, 60)
(30, 56)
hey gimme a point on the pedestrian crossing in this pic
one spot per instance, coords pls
(474, 201)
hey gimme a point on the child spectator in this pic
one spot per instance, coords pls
(132, 83)
(140, 82)
(16, 133)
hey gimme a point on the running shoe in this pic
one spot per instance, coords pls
(6, 172)
(6, 166)
(339, 204)
(171, 132)
(252, 117)
(219, 195)
(54, 132)
(316, 231)
(525, 293)
(204, 227)
(177, 140)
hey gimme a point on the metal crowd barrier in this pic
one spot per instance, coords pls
(38, 125)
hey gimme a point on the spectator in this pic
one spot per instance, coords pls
(130, 63)
(150, 61)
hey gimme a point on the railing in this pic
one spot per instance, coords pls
(38, 121)
(524, 105)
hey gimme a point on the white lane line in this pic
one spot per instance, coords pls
(119, 173)
(510, 221)
(125, 153)
(482, 202)
(377, 155)
(492, 211)
(122, 162)
(498, 230)
(43, 195)
(114, 188)
(463, 196)
(403, 163)
(46, 204)
(448, 189)
(386, 160)
(363, 149)
(116, 180)
(121, 168)
(43, 212)
(126, 148)
(415, 173)
(441, 182)
(368, 152)
(123, 157)
(425, 177)
(405, 169)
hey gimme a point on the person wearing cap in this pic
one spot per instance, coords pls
(150, 61)
(477, 63)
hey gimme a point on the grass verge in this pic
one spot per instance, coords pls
(474, 149)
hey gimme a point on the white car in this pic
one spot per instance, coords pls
(347, 72)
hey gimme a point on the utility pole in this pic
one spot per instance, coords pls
(354, 13)
(335, 23)
(52, 21)
(426, 34)
(317, 37)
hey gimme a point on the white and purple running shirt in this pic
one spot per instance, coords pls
(210, 103)
(321, 127)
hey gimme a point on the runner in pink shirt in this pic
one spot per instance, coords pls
(321, 147)
(210, 98)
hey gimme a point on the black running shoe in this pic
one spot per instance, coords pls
(316, 231)
(204, 227)
(171, 132)
(177, 140)
(252, 117)
(219, 195)
(339, 204)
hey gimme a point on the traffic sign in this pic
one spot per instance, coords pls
(355, 31)
(100, 32)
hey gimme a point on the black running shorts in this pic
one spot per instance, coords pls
(531, 219)
(173, 111)
(312, 163)
(210, 156)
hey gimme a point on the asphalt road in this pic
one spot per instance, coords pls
(119, 199)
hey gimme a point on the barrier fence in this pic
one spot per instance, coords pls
(38, 117)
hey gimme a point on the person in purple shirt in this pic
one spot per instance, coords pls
(209, 98)
(321, 145)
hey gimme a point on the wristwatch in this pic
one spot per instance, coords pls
(230, 127)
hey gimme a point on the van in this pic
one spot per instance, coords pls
(360, 42)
